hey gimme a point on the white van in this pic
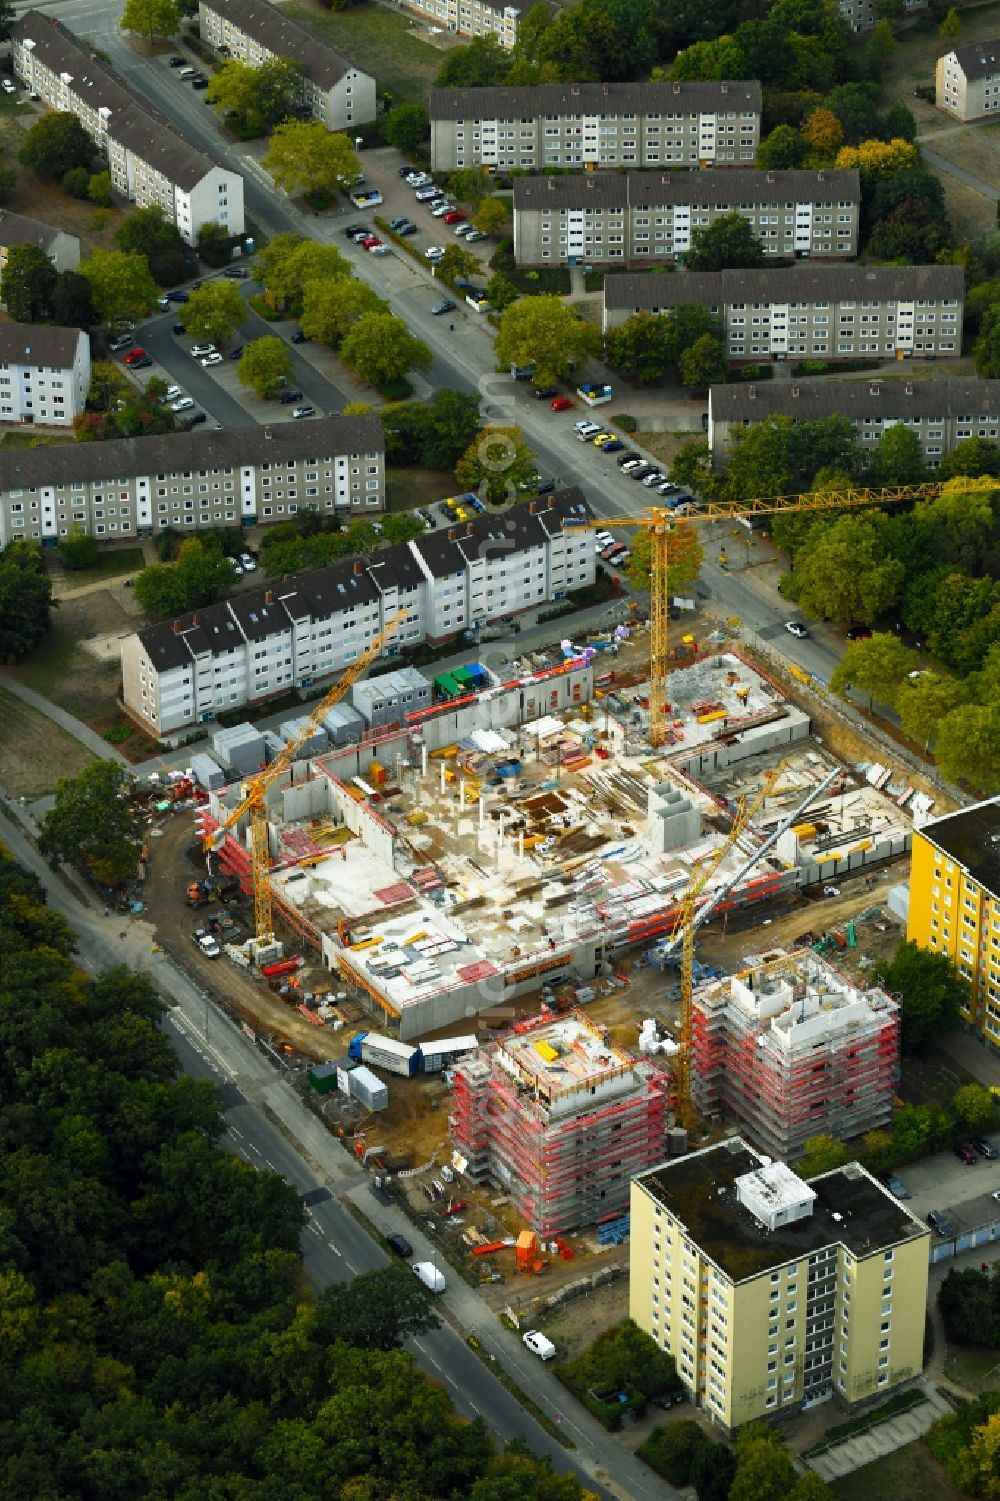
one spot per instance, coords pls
(186, 73)
(539, 1344)
(429, 1275)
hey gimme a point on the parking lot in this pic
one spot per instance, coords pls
(962, 1193)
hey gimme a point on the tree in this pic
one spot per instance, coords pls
(402, 526)
(28, 283)
(406, 127)
(910, 233)
(25, 601)
(76, 182)
(968, 746)
(93, 822)
(845, 569)
(305, 157)
(200, 576)
(331, 307)
(779, 456)
(501, 292)
(481, 64)
(150, 18)
(54, 144)
(975, 1107)
(433, 434)
(951, 26)
(490, 216)
(71, 305)
(969, 1301)
(782, 149)
(148, 232)
(703, 364)
(214, 311)
(265, 365)
(972, 457)
(727, 244)
(821, 1154)
(78, 550)
(684, 564)
(380, 348)
(457, 263)
(692, 467)
(763, 1469)
(713, 1469)
(99, 189)
(878, 666)
(898, 458)
(232, 89)
(875, 159)
(377, 1311)
(823, 132)
(281, 90)
(930, 992)
(675, 1448)
(545, 332)
(987, 346)
(922, 704)
(496, 464)
(120, 283)
(7, 18)
(289, 261)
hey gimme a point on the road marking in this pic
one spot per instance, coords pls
(233, 1132)
(335, 1249)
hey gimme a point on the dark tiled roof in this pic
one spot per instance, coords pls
(38, 344)
(972, 838)
(283, 37)
(563, 505)
(593, 99)
(857, 399)
(395, 568)
(132, 119)
(16, 229)
(165, 453)
(716, 186)
(978, 59)
(800, 283)
(327, 591)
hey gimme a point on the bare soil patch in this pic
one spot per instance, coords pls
(34, 752)
(68, 674)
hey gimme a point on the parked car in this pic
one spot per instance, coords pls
(543, 393)
(797, 629)
(235, 354)
(585, 430)
(633, 463)
(123, 341)
(965, 1153)
(612, 445)
(199, 83)
(539, 1344)
(433, 253)
(210, 360)
(983, 1147)
(642, 471)
(453, 216)
(562, 404)
(399, 1244)
(896, 1187)
(426, 194)
(439, 210)
(182, 404)
(177, 328)
(858, 633)
(177, 296)
(178, 62)
(667, 487)
(941, 1223)
(195, 419)
(197, 350)
(208, 945)
(462, 230)
(304, 412)
(237, 273)
(474, 235)
(141, 362)
(298, 337)
(292, 394)
(174, 393)
(656, 478)
(601, 437)
(626, 458)
(444, 306)
(356, 231)
(134, 355)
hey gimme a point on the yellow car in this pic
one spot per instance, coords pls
(600, 438)
(461, 514)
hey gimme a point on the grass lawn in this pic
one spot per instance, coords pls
(910, 1471)
(931, 1078)
(34, 752)
(663, 446)
(406, 488)
(970, 1368)
(109, 565)
(23, 437)
(385, 43)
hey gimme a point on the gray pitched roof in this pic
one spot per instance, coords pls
(593, 99)
(883, 399)
(283, 37)
(17, 229)
(805, 282)
(978, 59)
(725, 188)
(61, 464)
(38, 344)
(132, 119)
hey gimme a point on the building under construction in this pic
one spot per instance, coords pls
(793, 1049)
(559, 1119)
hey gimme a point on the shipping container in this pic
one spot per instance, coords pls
(443, 1052)
(323, 1077)
(281, 967)
(385, 1052)
(364, 1086)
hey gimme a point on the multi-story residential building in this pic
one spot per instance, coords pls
(312, 625)
(861, 15)
(44, 378)
(231, 477)
(62, 249)
(940, 412)
(497, 18)
(967, 81)
(254, 31)
(150, 161)
(955, 904)
(589, 125)
(808, 312)
(608, 217)
(769, 1290)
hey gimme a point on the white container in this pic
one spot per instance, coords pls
(429, 1275)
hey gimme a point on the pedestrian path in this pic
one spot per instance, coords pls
(884, 1438)
(65, 721)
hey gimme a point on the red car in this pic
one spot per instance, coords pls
(561, 404)
(455, 217)
(370, 240)
(134, 355)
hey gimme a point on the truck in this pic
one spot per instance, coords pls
(385, 1052)
(594, 396)
(523, 372)
(366, 197)
(429, 1275)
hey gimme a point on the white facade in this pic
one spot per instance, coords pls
(967, 81)
(472, 17)
(44, 377)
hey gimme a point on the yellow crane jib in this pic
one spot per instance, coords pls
(254, 804)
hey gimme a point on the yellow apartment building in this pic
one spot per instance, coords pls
(772, 1293)
(955, 904)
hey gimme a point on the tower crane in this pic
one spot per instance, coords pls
(693, 912)
(254, 799)
(663, 527)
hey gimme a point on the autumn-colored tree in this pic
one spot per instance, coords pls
(683, 567)
(875, 159)
(823, 132)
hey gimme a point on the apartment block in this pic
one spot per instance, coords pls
(62, 249)
(472, 17)
(150, 161)
(130, 487)
(792, 1049)
(254, 31)
(942, 413)
(588, 125)
(967, 81)
(771, 1291)
(44, 378)
(808, 312)
(954, 904)
(312, 625)
(608, 217)
(861, 15)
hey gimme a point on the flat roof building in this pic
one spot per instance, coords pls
(769, 1290)
(609, 217)
(587, 125)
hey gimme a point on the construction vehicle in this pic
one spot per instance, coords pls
(254, 801)
(670, 534)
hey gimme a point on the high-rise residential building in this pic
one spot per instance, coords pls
(769, 1290)
(955, 904)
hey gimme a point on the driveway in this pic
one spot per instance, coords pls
(962, 1193)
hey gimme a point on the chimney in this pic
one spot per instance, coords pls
(770, 177)
(574, 88)
(821, 176)
(873, 388)
(470, 530)
(533, 508)
(795, 390)
(604, 90)
(590, 183)
(267, 433)
(724, 88)
(269, 596)
(195, 620)
(551, 184)
(452, 533)
(359, 567)
(909, 388)
(752, 393)
(665, 178)
(177, 627)
(677, 88)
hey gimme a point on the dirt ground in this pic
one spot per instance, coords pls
(34, 752)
